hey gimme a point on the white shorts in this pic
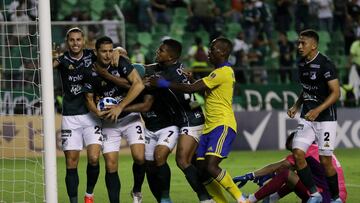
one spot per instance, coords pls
(167, 136)
(78, 130)
(130, 127)
(324, 133)
(193, 131)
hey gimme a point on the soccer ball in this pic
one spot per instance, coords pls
(106, 101)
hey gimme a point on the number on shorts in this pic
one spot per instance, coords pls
(139, 129)
(327, 135)
(170, 133)
(186, 131)
(97, 129)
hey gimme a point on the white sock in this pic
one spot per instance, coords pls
(274, 197)
(252, 198)
(88, 195)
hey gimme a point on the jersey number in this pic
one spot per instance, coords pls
(139, 129)
(186, 131)
(170, 133)
(327, 135)
(97, 130)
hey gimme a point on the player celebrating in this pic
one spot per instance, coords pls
(320, 91)
(127, 125)
(220, 123)
(189, 120)
(78, 126)
(161, 136)
(285, 180)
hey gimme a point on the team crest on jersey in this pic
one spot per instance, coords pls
(326, 144)
(87, 62)
(212, 75)
(312, 75)
(115, 73)
(103, 83)
(71, 67)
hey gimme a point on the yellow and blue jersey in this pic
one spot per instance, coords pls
(218, 100)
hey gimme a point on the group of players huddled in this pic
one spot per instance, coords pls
(156, 111)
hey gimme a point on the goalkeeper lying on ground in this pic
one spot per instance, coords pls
(284, 180)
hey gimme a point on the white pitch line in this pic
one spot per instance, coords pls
(352, 185)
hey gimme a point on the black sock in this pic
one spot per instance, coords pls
(72, 183)
(139, 176)
(164, 175)
(191, 174)
(113, 186)
(305, 176)
(333, 186)
(92, 173)
(151, 176)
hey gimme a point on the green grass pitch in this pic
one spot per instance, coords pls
(238, 163)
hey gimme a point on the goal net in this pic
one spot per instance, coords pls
(22, 162)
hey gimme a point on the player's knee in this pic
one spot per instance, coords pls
(139, 158)
(72, 162)
(160, 159)
(182, 162)
(93, 160)
(213, 170)
(111, 166)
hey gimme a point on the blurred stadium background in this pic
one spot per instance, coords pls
(264, 64)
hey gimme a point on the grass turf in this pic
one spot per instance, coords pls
(17, 186)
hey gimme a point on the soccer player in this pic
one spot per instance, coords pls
(220, 123)
(286, 180)
(116, 123)
(320, 91)
(78, 126)
(161, 135)
(189, 120)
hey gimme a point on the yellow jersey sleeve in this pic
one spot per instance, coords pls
(215, 78)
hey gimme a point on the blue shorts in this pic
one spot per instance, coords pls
(216, 143)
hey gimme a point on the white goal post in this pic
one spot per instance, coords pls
(48, 101)
(27, 122)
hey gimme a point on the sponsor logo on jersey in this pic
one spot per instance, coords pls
(75, 89)
(327, 74)
(326, 144)
(75, 78)
(210, 149)
(212, 75)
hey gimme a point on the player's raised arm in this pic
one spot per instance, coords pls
(198, 86)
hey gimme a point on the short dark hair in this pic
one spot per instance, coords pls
(227, 45)
(103, 40)
(74, 29)
(175, 47)
(311, 34)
